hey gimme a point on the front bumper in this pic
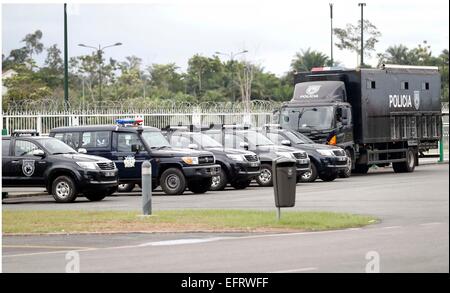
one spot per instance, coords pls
(245, 170)
(334, 163)
(101, 179)
(303, 166)
(201, 171)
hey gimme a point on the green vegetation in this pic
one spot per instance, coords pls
(176, 221)
(207, 78)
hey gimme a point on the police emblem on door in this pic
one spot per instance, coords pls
(312, 89)
(417, 99)
(28, 167)
(129, 162)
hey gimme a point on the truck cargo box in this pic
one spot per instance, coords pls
(388, 105)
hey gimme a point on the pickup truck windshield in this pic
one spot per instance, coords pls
(155, 139)
(205, 141)
(307, 118)
(55, 146)
(256, 138)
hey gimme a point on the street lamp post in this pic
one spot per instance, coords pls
(231, 56)
(100, 63)
(362, 33)
(331, 23)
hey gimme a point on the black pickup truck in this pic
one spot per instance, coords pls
(130, 145)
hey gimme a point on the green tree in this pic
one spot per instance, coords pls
(350, 38)
(306, 60)
(33, 43)
(397, 54)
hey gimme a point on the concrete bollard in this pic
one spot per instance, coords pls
(146, 188)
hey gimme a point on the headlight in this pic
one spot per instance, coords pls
(288, 155)
(87, 165)
(190, 160)
(328, 153)
(239, 158)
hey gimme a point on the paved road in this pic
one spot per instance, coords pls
(412, 237)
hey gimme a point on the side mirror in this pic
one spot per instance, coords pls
(286, 142)
(38, 153)
(136, 148)
(193, 146)
(82, 151)
(243, 145)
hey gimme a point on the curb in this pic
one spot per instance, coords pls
(22, 195)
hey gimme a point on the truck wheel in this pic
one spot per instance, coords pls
(96, 196)
(327, 177)
(126, 187)
(265, 177)
(407, 166)
(200, 186)
(348, 170)
(173, 181)
(220, 181)
(361, 169)
(311, 175)
(241, 184)
(64, 189)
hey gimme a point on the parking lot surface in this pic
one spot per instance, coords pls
(412, 236)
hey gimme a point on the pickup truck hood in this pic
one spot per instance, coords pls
(81, 158)
(230, 151)
(179, 152)
(276, 148)
(314, 146)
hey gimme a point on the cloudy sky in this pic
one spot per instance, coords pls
(272, 30)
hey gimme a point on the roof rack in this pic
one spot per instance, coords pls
(20, 132)
(272, 126)
(236, 126)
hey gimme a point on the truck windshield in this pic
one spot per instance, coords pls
(55, 146)
(304, 118)
(205, 141)
(155, 139)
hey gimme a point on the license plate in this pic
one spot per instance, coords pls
(110, 174)
(303, 161)
(254, 164)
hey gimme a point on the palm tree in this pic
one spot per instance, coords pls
(306, 60)
(397, 55)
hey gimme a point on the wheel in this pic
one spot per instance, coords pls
(220, 181)
(311, 175)
(173, 181)
(327, 177)
(265, 177)
(64, 189)
(125, 187)
(361, 169)
(241, 184)
(200, 186)
(407, 166)
(348, 170)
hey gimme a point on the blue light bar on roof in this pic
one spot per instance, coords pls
(127, 121)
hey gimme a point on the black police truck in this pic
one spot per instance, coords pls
(30, 160)
(379, 116)
(129, 145)
(241, 137)
(237, 167)
(326, 161)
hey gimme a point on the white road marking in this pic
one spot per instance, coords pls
(296, 270)
(391, 227)
(429, 224)
(45, 253)
(180, 241)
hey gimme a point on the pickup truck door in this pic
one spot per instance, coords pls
(26, 169)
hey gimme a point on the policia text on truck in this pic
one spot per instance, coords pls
(378, 116)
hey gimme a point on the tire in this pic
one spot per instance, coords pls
(348, 171)
(125, 187)
(173, 181)
(327, 177)
(200, 186)
(220, 181)
(241, 184)
(309, 176)
(64, 189)
(265, 178)
(408, 166)
(361, 169)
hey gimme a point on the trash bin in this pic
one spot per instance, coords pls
(4, 131)
(284, 181)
